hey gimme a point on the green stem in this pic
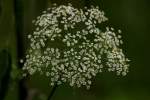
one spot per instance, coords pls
(52, 92)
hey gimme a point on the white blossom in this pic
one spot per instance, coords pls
(68, 46)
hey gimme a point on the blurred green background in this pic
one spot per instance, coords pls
(131, 16)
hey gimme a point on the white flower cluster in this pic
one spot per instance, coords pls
(69, 46)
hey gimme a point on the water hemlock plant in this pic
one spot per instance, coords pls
(69, 46)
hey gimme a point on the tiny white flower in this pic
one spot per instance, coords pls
(21, 60)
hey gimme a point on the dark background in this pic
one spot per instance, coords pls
(131, 16)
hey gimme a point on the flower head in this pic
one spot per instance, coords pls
(69, 46)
